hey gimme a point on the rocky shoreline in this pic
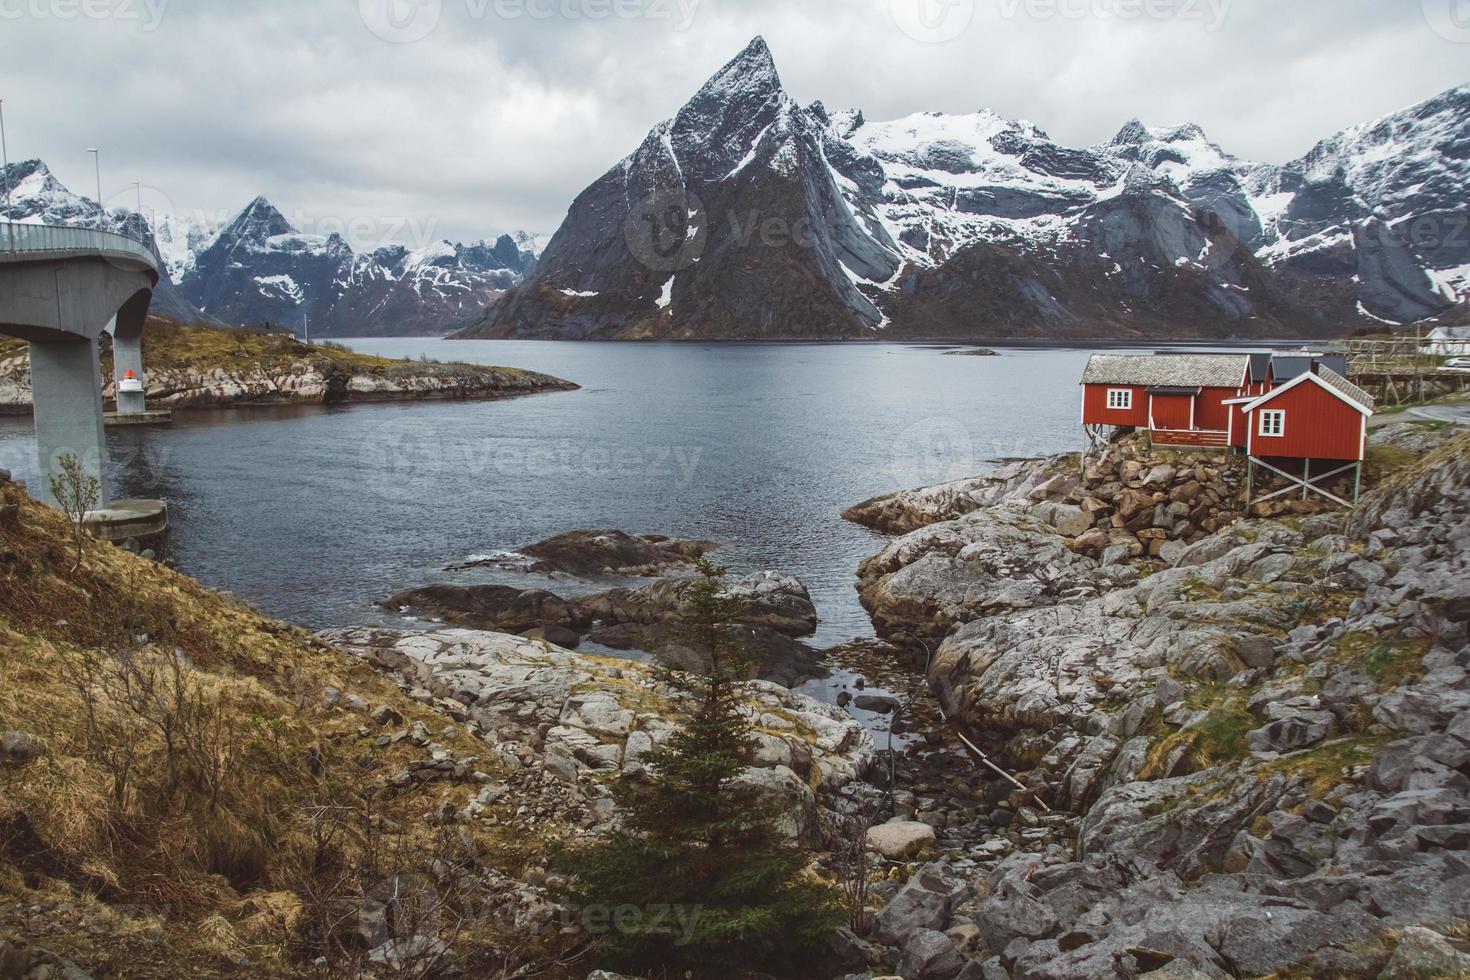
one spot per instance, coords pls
(1253, 733)
(281, 371)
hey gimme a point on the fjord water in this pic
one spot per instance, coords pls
(312, 513)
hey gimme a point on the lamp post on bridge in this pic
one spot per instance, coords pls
(5, 158)
(97, 163)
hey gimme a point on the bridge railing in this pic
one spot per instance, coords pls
(16, 237)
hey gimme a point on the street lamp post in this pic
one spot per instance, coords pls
(138, 186)
(97, 163)
(5, 158)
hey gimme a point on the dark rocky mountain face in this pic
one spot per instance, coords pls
(726, 222)
(748, 216)
(258, 268)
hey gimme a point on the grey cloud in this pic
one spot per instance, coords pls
(497, 117)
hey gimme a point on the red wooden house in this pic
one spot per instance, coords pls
(1283, 406)
(1180, 398)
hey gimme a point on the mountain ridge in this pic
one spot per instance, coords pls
(974, 225)
(256, 267)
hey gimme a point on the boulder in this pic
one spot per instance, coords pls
(770, 599)
(19, 748)
(497, 607)
(929, 955)
(924, 902)
(1293, 731)
(771, 654)
(1424, 953)
(555, 635)
(614, 552)
(898, 840)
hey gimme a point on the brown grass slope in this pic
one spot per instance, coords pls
(197, 808)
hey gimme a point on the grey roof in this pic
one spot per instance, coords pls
(1260, 366)
(1345, 386)
(1178, 370)
(1449, 333)
(1284, 367)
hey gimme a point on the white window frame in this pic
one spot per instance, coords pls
(1122, 404)
(1272, 424)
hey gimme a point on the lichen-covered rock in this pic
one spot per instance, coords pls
(909, 510)
(583, 717)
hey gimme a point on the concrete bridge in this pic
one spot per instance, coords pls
(60, 289)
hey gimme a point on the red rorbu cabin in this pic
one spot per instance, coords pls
(1179, 398)
(1294, 406)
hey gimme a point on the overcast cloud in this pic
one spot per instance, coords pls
(475, 117)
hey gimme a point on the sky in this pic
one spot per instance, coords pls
(416, 120)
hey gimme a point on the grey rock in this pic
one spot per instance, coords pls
(1291, 732)
(1424, 953)
(18, 748)
(929, 955)
(924, 902)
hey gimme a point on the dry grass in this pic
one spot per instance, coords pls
(172, 346)
(217, 833)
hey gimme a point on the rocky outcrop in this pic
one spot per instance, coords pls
(988, 561)
(909, 510)
(656, 618)
(307, 376)
(497, 607)
(1264, 746)
(771, 599)
(606, 552)
(584, 720)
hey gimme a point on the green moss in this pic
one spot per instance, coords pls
(1325, 766)
(1389, 659)
(1218, 737)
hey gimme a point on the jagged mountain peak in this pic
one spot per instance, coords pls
(753, 68)
(258, 221)
(1135, 133)
(716, 127)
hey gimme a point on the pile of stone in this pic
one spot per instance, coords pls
(1141, 505)
(564, 725)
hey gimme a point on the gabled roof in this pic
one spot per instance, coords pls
(1326, 378)
(1167, 370)
(1260, 367)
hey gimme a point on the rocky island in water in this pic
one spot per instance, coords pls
(201, 366)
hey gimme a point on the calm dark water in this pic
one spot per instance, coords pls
(312, 513)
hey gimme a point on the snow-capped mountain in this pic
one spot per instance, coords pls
(747, 215)
(37, 197)
(257, 268)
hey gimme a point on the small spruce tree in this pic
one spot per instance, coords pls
(75, 493)
(695, 841)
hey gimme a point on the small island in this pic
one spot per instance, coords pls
(203, 366)
(973, 352)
